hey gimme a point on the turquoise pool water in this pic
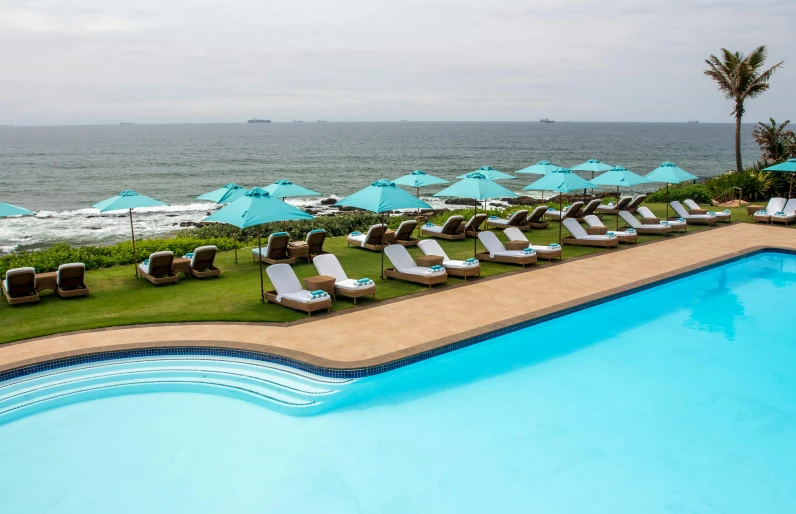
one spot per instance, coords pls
(677, 399)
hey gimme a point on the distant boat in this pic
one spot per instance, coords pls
(298, 121)
(256, 120)
(546, 120)
(692, 121)
(126, 123)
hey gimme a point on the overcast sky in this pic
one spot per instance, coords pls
(158, 61)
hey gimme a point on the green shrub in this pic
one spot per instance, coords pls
(700, 193)
(754, 184)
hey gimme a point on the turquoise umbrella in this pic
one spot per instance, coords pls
(671, 174)
(128, 200)
(592, 165)
(418, 179)
(477, 187)
(380, 197)
(12, 210)
(489, 173)
(254, 208)
(286, 189)
(229, 193)
(619, 177)
(561, 180)
(540, 168)
(787, 166)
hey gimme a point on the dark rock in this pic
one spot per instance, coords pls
(193, 224)
(328, 201)
(459, 201)
(95, 228)
(348, 209)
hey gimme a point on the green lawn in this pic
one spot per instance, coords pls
(117, 298)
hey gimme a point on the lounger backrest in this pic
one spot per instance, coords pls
(574, 210)
(636, 202)
(399, 257)
(315, 240)
(491, 242)
(775, 205)
(631, 220)
(574, 228)
(451, 225)
(71, 275)
(622, 202)
(475, 222)
(283, 278)
(203, 257)
(790, 207)
(691, 204)
(277, 246)
(21, 281)
(591, 207)
(518, 217)
(327, 264)
(405, 229)
(515, 234)
(537, 214)
(432, 247)
(593, 221)
(375, 234)
(646, 212)
(679, 209)
(160, 263)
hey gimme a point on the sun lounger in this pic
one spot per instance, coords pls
(19, 286)
(591, 209)
(328, 265)
(659, 229)
(614, 208)
(202, 262)
(405, 268)
(403, 235)
(573, 211)
(473, 226)
(787, 214)
(535, 219)
(450, 230)
(454, 268)
(634, 204)
(515, 220)
(158, 268)
(497, 252)
(697, 219)
(548, 252)
(71, 280)
(694, 208)
(315, 239)
(275, 250)
(289, 292)
(649, 218)
(774, 205)
(581, 238)
(373, 240)
(596, 227)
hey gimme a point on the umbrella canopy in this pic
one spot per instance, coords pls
(382, 196)
(489, 173)
(540, 168)
(787, 166)
(619, 177)
(669, 173)
(229, 193)
(561, 180)
(419, 178)
(592, 165)
(285, 189)
(126, 200)
(12, 210)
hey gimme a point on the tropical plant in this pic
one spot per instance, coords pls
(751, 183)
(740, 77)
(696, 192)
(775, 142)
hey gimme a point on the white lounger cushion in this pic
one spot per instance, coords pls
(790, 208)
(498, 221)
(68, 266)
(775, 205)
(647, 213)
(20, 271)
(691, 204)
(256, 251)
(515, 234)
(144, 266)
(496, 248)
(403, 262)
(438, 229)
(327, 264)
(593, 221)
(201, 249)
(433, 228)
(680, 211)
(362, 238)
(432, 247)
(287, 284)
(579, 232)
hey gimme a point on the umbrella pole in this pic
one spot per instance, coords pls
(617, 212)
(419, 231)
(260, 259)
(132, 232)
(475, 232)
(790, 191)
(382, 249)
(235, 243)
(560, 215)
(667, 200)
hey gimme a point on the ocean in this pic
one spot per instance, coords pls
(61, 171)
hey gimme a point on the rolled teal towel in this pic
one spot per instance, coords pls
(355, 233)
(364, 281)
(436, 268)
(610, 233)
(630, 231)
(493, 217)
(528, 251)
(681, 220)
(146, 261)
(779, 213)
(471, 260)
(428, 225)
(762, 212)
(664, 222)
(549, 209)
(188, 255)
(711, 213)
(554, 246)
(279, 234)
(317, 231)
(726, 211)
(318, 293)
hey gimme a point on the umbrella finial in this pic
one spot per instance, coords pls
(418, 172)
(476, 174)
(128, 192)
(667, 164)
(283, 182)
(257, 191)
(384, 183)
(231, 185)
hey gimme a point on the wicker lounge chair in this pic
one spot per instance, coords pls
(275, 251)
(405, 268)
(71, 281)
(403, 235)
(536, 218)
(462, 269)
(649, 218)
(590, 209)
(614, 208)
(515, 220)
(328, 265)
(573, 211)
(473, 226)
(634, 204)
(289, 292)
(694, 208)
(787, 214)
(497, 252)
(157, 269)
(315, 239)
(373, 240)
(581, 238)
(202, 262)
(449, 231)
(774, 205)
(659, 229)
(516, 236)
(19, 286)
(596, 227)
(697, 219)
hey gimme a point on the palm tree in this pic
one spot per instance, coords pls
(773, 140)
(739, 77)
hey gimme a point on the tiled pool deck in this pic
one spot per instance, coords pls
(368, 337)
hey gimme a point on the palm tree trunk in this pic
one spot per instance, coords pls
(738, 115)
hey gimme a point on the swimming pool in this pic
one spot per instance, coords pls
(676, 399)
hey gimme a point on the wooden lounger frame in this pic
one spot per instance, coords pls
(522, 261)
(470, 271)
(19, 300)
(309, 308)
(169, 278)
(426, 280)
(607, 243)
(355, 293)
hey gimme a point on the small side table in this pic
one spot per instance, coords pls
(181, 265)
(429, 260)
(47, 281)
(516, 245)
(299, 250)
(597, 231)
(322, 282)
(751, 209)
(388, 238)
